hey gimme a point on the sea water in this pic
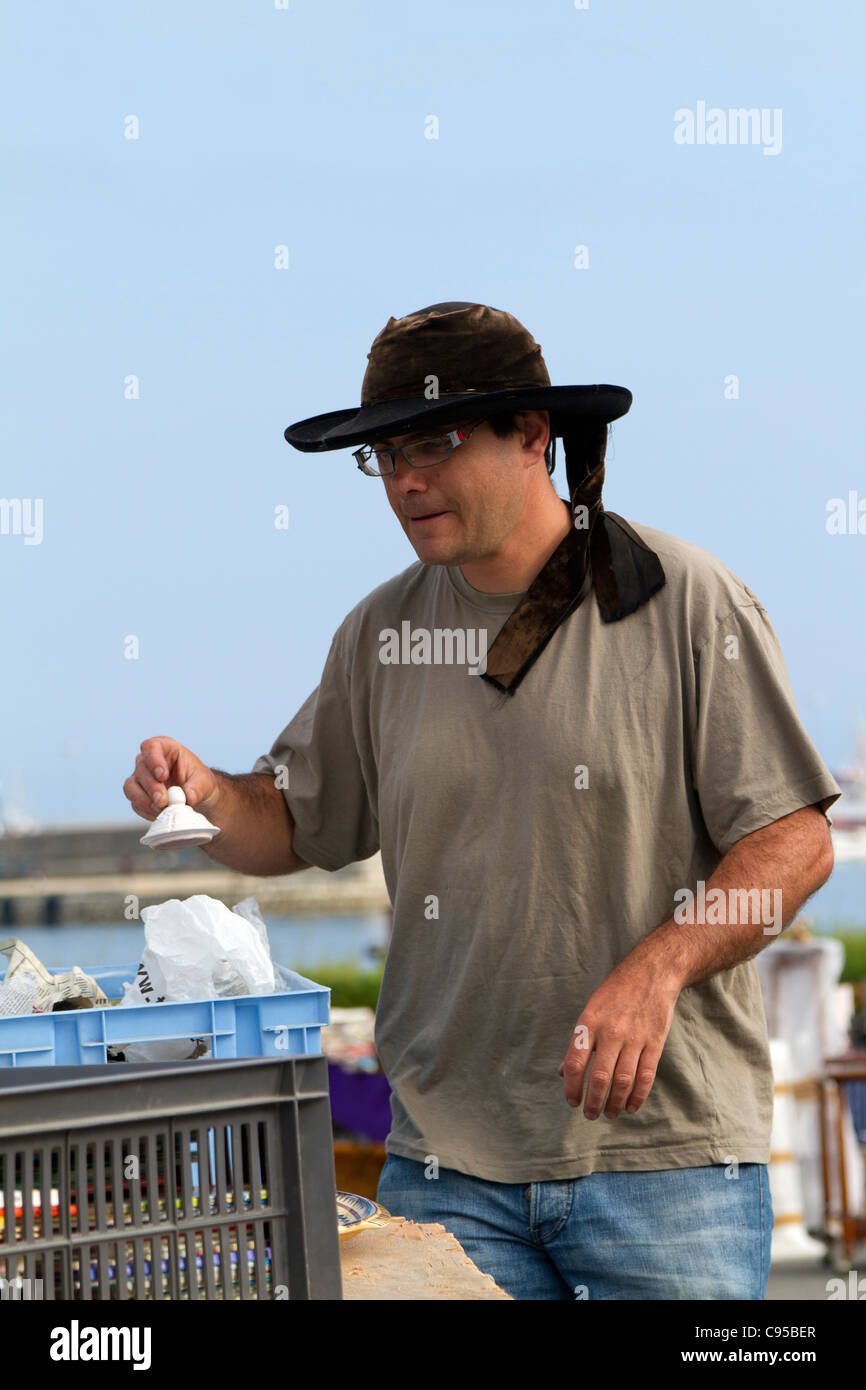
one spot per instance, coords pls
(301, 943)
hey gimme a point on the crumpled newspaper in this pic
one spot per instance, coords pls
(71, 989)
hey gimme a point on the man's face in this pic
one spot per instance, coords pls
(465, 508)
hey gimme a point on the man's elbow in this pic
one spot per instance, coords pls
(827, 859)
(823, 858)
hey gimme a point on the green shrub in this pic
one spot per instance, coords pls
(350, 986)
(854, 970)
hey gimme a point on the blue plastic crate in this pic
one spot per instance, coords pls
(286, 1024)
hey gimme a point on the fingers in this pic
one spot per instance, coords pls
(573, 1067)
(603, 1069)
(150, 785)
(164, 763)
(138, 799)
(146, 789)
(621, 1082)
(646, 1075)
(621, 1075)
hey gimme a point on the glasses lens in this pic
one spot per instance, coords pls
(424, 453)
(375, 463)
(427, 452)
(382, 461)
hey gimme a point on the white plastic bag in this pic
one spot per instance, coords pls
(200, 949)
(197, 949)
(165, 1050)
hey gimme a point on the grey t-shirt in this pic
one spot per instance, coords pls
(530, 842)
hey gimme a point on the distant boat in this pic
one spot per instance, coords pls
(848, 844)
(14, 821)
(849, 812)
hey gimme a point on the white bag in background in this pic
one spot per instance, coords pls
(200, 949)
(166, 1050)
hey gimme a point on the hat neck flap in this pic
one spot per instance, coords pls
(601, 551)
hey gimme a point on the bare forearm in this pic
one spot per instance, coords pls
(754, 893)
(256, 826)
(623, 1025)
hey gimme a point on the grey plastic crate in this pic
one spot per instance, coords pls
(169, 1180)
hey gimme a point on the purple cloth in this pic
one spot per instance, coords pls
(360, 1102)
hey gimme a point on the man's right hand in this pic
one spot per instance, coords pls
(164, 763)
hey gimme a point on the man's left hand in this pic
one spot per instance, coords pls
(624, 1024)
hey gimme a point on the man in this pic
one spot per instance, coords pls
(574, 740)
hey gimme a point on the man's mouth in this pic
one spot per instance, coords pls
(427, 516)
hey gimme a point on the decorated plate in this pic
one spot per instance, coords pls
(356, 1214)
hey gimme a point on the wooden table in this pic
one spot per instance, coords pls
(849, 1066)
(407, 1261)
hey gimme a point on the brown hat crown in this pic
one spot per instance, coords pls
(451, 348)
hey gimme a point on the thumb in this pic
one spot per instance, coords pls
(190, 774)
(199, 785)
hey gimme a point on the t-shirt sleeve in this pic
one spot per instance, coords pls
(326, 789)
(753, 760)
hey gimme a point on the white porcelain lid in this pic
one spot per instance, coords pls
(179, 824)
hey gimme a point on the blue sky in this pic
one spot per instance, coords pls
(305, 127)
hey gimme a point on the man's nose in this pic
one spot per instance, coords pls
(405, 478)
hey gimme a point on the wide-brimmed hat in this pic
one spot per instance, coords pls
(448, 361)
(458, 361)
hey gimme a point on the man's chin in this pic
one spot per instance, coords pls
(441, 552)
(437, 550)
(434, 555)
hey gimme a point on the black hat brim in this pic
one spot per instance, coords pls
(338, 429)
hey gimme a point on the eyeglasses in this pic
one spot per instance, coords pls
(423, 453)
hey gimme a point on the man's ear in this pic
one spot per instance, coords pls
(532, 425)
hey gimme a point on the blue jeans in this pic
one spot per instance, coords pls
(674, 1233)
